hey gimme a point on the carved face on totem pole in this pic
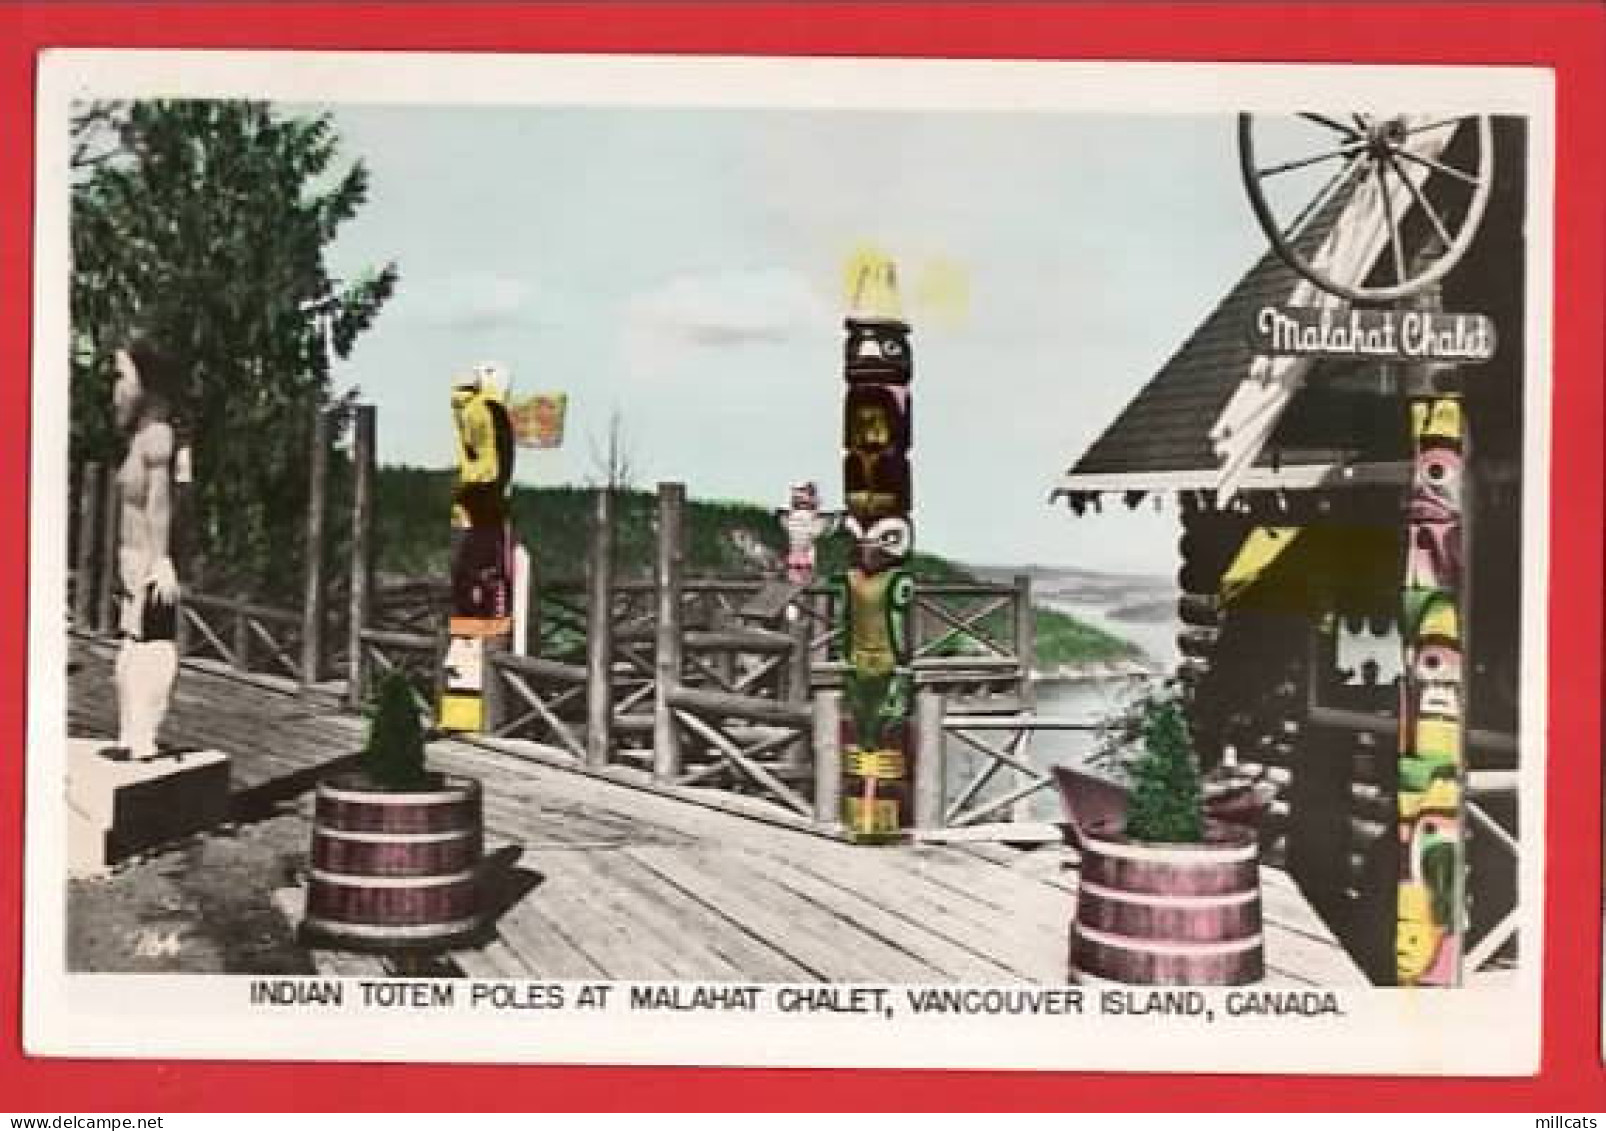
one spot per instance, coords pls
(805, 497)
(1430, 840)
(876, 435)
(1434, 513)
(878, 350)
(881, 544)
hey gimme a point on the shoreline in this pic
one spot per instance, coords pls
(1099, 670)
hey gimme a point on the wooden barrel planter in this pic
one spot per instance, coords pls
(1168, 914)
(395, 868)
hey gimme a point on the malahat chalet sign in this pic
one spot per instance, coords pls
(1389, 335)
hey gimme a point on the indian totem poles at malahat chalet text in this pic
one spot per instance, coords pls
(877, 592)
(482, 544)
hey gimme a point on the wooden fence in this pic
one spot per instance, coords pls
(243, 633)
(697, 683)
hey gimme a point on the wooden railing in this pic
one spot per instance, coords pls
(246, 636)
(701, 683)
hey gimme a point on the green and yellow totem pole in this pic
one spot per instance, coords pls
(877, 592)
(1432, 769)
(1404, 203)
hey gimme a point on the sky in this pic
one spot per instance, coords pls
(682, 268)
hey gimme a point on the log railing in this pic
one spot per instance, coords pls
(248, 637)
(703, 683)
(1001, 748)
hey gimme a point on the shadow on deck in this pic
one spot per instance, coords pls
(594, 879)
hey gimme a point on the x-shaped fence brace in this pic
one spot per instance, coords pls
(963, 623)
(734, 756)
(640, 659)
(1011, 754)
(1506, 928)
(275, 646)
(420, 684)
(543, 708)
(739, 731)
(248, 624)
(195, 620)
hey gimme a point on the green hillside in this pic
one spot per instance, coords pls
(413, 505)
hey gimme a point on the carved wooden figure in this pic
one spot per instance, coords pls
(481, 615)
(1432, 771)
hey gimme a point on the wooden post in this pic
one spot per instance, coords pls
(1430, 930)
(828, 758)
(106, 579)
(88, 534)
(1026, 650)
(929, 768)
(799, 674)
(1025, 639)
(492, 693)
(668, 575)
(599, 633)
(312, 590)
(362, 518)
(242, 634)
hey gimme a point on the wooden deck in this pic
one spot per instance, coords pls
(603, 880)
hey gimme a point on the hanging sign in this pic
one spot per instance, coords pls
(1388, 335)
(538, 419)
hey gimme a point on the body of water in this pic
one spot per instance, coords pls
(1092, 697)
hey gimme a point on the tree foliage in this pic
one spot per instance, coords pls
(1167, 798)
(393, 757)
(1147, 743)
(204, 224)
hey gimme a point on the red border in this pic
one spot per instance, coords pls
(1571, 38)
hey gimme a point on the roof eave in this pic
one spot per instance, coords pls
(1288, 477)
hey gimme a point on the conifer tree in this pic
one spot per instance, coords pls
(1167, 798)
(394, 755)
(206, 224)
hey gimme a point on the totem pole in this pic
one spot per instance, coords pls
(482, 544)
(877, 592)
(1426, 177)
(805, 524)
(1432, 771)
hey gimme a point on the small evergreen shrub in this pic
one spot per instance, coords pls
(1148, 743)
(393, 757)
(1167, 798)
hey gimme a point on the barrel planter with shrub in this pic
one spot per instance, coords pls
(396, 848)
(1156, 913)
(1166, 897)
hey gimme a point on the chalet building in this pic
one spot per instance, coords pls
(1291, 574)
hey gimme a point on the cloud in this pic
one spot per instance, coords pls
(719, 310)
(728, 308)
(476, 300)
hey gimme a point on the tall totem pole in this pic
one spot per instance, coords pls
(1403, 207)
(482, 544)
(877, 592)
(1432, 765)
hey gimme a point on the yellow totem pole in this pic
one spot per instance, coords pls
(482, 544)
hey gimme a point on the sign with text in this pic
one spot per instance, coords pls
(1388, 335)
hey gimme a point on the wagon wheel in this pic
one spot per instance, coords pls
(1383, 149)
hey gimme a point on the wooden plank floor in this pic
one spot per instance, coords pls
(602, 880)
